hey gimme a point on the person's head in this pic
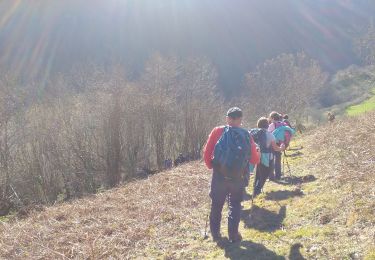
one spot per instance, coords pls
(262, 123)
(274, 117)
(234, 117)
(286, 117)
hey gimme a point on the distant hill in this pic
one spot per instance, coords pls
(40, 38)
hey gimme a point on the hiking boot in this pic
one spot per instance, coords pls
(236, 238)
(216, 237)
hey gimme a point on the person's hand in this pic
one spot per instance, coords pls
(282, 147)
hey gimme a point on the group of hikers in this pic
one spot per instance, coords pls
(233, 153)
(181, 159)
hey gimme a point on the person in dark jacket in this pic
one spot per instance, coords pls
(267, 143)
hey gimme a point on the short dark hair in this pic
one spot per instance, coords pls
(275, 116)
(286, 116)
(234, 112)
(263, 123)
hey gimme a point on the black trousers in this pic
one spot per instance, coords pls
(261, 175)
(276, 166)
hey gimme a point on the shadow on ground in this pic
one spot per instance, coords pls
(246, 196)
(295, 148)
(283, 194)
(262, 219)
(295, 154)
(294, 180)
(295, 253)
(248, 250)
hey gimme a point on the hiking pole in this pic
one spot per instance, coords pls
(205, 229)
(287, 164)
(253, 195)
(205, 236)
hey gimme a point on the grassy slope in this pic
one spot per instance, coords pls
(365, 106)
(351, 86)
(331, 217)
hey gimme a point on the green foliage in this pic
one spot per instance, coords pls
(348, 87)
(367, 105)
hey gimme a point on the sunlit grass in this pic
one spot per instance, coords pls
(366, 106)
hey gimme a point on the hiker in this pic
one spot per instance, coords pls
(300, 128)
(176, 162)
(283, 134)
(179, 160)
(331, 117)
(228, 151)
(267, 144)
(168, 164)
(165, 164)
(286, 120)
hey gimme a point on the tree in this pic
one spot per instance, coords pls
(288, 83)
(112, 128)
(133, 129)
(365, 46)
(198, 102)
(159, 80)
(11, 104)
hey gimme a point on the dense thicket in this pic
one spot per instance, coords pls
(93, 128)
(65, 144)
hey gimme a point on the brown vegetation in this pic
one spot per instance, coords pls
(66, 144)
(119, 223)
(165, 214)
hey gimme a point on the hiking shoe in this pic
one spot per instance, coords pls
(216, 237)
(236, 238)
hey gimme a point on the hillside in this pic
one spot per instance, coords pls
(349, 91)
(365, 106)
(41, 38)
(323, 210)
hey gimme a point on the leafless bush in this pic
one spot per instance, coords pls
(70, 143)
(288, 83)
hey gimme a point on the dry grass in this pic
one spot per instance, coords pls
(117, 223)
(332, 217)
(345, 155)
(342, 157)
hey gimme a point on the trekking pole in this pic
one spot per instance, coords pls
(205, 229)
(205, 236)
(287, 164)
(253, 195)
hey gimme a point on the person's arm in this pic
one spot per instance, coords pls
(255, 155)
(276, 148)
(210, 145)
(271, 127)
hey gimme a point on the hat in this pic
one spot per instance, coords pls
(234, 112)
